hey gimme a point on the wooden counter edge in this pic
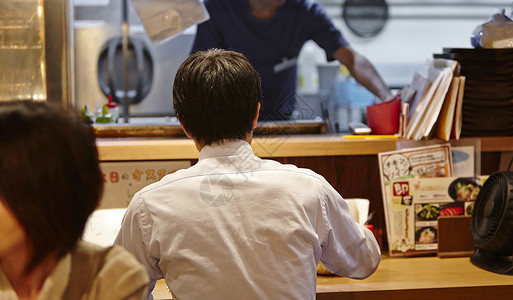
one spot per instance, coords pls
(161, 292)
(280, 146)
(146, 149)
(266, 147)
(479, 292)
(496, 144)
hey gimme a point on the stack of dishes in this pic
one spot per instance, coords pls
(488, 97)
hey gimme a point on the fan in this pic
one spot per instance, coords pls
(365, 18)
(492, 224)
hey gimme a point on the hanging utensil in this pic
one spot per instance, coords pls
(125, 67)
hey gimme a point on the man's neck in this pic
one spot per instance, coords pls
(262, 10)
(200, 144)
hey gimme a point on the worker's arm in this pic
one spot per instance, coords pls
(363, 71)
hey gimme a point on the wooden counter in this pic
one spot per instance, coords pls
(280, 146)
(349, 165)
(410, 278)
(277, 146)
(419, 278)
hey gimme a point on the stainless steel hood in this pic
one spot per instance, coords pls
(98, 21)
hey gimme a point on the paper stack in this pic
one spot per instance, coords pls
(449, 121)
(434, 108)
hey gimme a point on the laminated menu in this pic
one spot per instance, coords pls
(414, 205)
(401, 174)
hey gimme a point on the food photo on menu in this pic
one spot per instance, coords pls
(418, 187)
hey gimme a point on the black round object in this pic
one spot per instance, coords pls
(492, 217)
(453, 187)
(365, 18)
(139, 70)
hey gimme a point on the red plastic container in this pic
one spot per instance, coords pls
(383, 118)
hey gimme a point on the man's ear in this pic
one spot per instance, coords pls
(255, 119)
(183, 128)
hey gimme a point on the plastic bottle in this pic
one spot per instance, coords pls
(113, 109)
(308, 76)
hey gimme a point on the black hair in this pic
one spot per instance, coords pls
(49, 174)
(216, 95)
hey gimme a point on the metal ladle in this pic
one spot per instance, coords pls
(128, 56)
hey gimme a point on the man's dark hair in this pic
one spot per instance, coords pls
(216, 95)
(49, 175)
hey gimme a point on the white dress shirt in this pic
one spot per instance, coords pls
(235, 226)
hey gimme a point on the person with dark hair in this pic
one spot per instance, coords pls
(271, 33)
(216, 113)
(235, 226)
(50, 182)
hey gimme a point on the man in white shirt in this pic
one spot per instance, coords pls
(235, 226)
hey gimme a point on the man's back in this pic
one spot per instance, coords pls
(237, 227)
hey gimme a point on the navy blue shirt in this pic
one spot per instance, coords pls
(271, 45)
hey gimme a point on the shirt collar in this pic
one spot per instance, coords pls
(53, 286)
(227, 148)
(56, 283)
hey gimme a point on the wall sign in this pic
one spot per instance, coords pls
(123, 179)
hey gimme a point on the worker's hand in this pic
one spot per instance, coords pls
(364, 72)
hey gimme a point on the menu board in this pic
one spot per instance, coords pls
(414, 205)
(397, 169)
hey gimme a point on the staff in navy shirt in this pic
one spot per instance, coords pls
(271, 34)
